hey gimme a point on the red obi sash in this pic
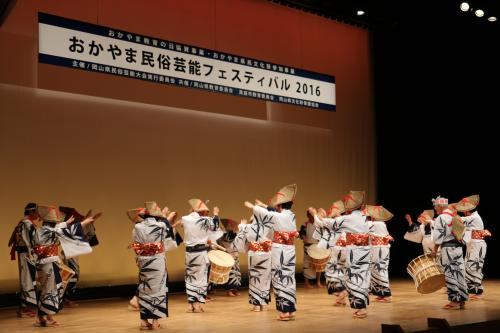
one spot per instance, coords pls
(285, 237)
(357, 239)
(46, 251)
(480, 234)
(260, 247)
(147, 249)
(377, 241)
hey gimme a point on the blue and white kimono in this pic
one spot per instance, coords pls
(21, 241)
(226, 241)
(452, 259)
(255, 239)
(45, 244)
(335, 271)
(476, 253)
(197, 231)
(357, 256)
(380, 256)
(152, 237)
(283, 255)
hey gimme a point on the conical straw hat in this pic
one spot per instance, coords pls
(198, 205)
(336, 208)
(379, 213)
(286, 194)
(354, 199)
(457, 227)
(153, 209)
(428, 212)
(468, 203)
(50, 214)
(135, 214)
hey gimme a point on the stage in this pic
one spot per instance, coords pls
(315, 313)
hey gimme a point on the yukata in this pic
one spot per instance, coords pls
(380, 255)
(46, 248)
(197, 231)
(421, 234)
(335, 270)
(255, 239)
(307, 231)
(226, 241)
(476, 252)
(151, 238)
(282, 255)
(21, 240)
(357, 254)
(451, 258)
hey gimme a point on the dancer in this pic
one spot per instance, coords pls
(282, 220)
(150, 235)
(451, 258)
(380, 253)
(421, 233)
(199, 231)
(476, 245)
(358, 249)
(20, 242)
(45, 245)
(256, 239)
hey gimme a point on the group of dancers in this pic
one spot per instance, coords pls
(354, 232)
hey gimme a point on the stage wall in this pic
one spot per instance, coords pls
(92, 140)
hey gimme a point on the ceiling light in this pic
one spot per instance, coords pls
(492, 18)
(464, 6)
(360, 12)
(479, 13)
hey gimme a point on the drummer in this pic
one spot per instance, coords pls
(306, 234)
(46, 247)
(451, 258)
(282, 219)
(476, 245)
(199, 228)
(380, 252)
(358, 249)
(234, 283)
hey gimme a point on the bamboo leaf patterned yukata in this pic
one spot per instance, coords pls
(197, 230)
(476, 253)
(451, 258)
(283, 256)
(421, 234)
(22, 240)
(308, 230)
(380, 255)
(226, 241)
(151, 238)
(45, 245)
(357, 256)
(256, 238)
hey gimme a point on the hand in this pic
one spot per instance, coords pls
(176, 223)
(408, 218)
(321, 212)
(243, 221)
(260, 203)
(70, 220)
(216, 211)
(248, 204)
(164, 211)
(433, 254)
(89, 213)
(171, 216)
(312, 211)
(96, 216)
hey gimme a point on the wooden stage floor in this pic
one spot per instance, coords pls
(315, 313)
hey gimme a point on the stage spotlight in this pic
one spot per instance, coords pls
(360, 12)
(492, 18)
(479, 13)
(464, 6)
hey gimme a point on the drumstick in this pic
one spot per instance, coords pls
(217, 246)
